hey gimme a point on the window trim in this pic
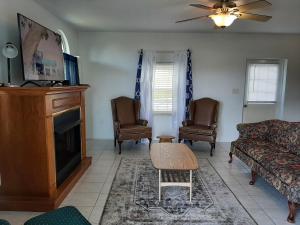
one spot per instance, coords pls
(283, 62)
(261, 61)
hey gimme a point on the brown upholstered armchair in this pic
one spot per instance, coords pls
(202, 124)
(127, 123)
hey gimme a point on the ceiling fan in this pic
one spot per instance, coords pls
(225, 12)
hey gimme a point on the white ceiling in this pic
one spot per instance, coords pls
(160, 15)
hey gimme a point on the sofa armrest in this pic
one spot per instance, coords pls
(187, 123)
(142, 122)
(253, 130)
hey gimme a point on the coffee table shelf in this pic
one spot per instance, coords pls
(172, 160)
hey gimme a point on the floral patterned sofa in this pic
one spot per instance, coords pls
(272, 150)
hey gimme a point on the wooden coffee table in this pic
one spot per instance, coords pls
(176, 158)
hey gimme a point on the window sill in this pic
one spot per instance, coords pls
(261, 103)
(162, 113)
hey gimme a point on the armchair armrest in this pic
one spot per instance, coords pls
(214, 126)
(187, 123)
(253, 130)
(142, 122)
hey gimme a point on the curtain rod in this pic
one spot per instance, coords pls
(163, 51)
(158, 51)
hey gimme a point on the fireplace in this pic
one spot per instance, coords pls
(67, 131)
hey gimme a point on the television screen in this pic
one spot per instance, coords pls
(41, 49)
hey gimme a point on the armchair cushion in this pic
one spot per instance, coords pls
(197, 130)
(134, 128)
(134, 132)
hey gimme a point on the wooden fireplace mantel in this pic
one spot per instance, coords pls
(27, 149)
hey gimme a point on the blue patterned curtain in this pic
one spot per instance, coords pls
(137, 93)
(71, 69)
(189, 84)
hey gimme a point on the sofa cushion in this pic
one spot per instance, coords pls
(248, 145)
(254, 130)
(285, 134)
(285, 166)
(276, 159)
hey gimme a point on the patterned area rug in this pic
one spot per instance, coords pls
(133, 199)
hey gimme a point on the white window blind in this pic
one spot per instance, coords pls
(262, 82)
(162, 87)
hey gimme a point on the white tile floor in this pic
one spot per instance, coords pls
(263, 202)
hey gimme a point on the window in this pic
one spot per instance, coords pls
(262, 82)
(64, 42)
(162, 87)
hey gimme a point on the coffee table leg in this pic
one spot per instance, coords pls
(159, 187)
(191, 179)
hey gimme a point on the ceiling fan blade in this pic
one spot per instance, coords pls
(253, 5)
(249, 16)
(202, 6)
(195, 18)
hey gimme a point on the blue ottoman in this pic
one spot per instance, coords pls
(4, 222)
(63, 216)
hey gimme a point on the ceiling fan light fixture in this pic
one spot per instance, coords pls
(223, 19)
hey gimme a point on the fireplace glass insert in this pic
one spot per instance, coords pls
(67, 144)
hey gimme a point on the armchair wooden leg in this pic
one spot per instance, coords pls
(120, 148)
(179, 140)
(253, 178)
(292, 212)
(191, 142)
(211, 149)
(136, 142)
(230, 155)
(115, 141)
(150, 140)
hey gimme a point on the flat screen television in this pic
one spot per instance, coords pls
(41, 51)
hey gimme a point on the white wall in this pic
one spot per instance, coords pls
(259, 112)
(109, 61)
(9, 30)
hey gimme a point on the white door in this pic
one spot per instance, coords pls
(264, 90)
